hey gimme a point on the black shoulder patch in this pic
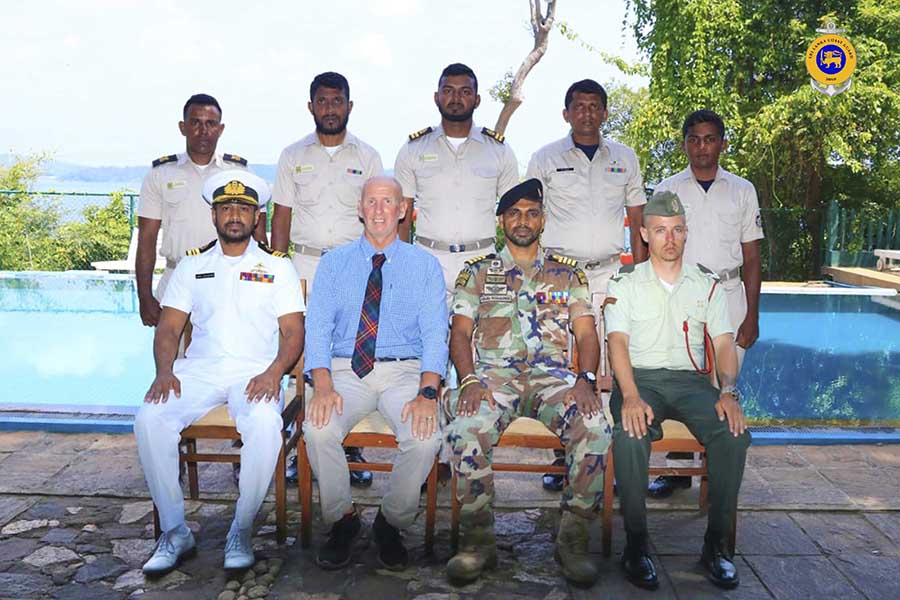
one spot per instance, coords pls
(235, 159)
(265, 248)
(165, 159)
(493, 135)
(201, 249)
(420, 133)
(474, 261)
(563, 260)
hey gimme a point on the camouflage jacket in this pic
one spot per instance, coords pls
(522, 315)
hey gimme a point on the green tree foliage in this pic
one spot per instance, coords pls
(34, 236)
(745, 60)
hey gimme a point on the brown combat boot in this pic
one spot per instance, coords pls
(572, 550)
(477, 549)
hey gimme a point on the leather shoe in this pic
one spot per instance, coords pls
(718, 567)
(171, 547)
(665, 485)
(360, 479)
(554, 482)
(638, 566)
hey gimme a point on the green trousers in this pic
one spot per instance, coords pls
(688, 397)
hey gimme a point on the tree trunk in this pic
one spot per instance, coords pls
(814, 205)
(540, 27)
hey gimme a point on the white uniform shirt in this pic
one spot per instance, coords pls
(171, 193)
(456, 191)
(718, 220)
(235, 302)
(585, 200)
(322, 190)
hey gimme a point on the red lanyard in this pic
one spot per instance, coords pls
(707, 342)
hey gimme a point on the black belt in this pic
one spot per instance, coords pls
(394, 359)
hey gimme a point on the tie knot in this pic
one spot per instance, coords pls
(378, 260)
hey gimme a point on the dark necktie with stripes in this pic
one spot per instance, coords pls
(364, 350)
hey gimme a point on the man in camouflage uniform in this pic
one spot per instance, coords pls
(521, 305)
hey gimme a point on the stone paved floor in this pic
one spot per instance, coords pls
(75, 522)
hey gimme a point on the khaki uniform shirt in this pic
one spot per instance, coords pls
(323, 191)
(456, 191)
(719, 220)
(172, 193)
(585, 200)
(653, 318)
(522, 315)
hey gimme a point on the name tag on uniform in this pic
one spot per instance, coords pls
(174, 185)
(304, 168)
(354, 171)
(565, 169)
(257, 277)
(204, 275)
(429, 157)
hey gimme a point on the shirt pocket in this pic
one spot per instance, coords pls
(485, 180)
(305, 188)
(645, 329)
(175, 196)
(552, 325)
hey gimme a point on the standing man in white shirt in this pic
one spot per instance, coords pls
(317, 188)
(171, 200)
(590, 184)
(723, 215)
(238, 296)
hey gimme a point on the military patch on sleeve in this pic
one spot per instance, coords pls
(493, 134)
(201, 249)
(420, 133)
(759, 222)
(582, 278)
(165, 159)
(235, 159)
(265, 248)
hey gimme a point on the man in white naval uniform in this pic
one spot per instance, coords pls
(239, 296)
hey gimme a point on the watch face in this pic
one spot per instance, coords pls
(590, 376)
(429, 392)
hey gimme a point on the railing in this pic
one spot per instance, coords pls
(852, 234)
(130, 197)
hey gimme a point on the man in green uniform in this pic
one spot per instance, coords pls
(521, 306)
(657, 318)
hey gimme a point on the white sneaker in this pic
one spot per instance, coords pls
(239, 550)
(171, 547)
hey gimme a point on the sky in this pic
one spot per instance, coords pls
(102, 82)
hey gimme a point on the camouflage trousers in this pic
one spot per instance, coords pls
(538, 395)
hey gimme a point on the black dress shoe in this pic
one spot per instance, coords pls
(665, 485)
(361, 479)
(335, 553)
(392, 554)
(638, 566)
(718, 567)
(554, 482)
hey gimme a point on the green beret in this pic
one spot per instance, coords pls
(664, 204)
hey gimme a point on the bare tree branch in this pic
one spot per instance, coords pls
(541, 25)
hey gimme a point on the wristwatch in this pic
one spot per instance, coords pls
(731, 389)
(429, 391)
(590, 377)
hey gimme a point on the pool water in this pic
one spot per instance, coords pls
(825, 358)
(73, 342)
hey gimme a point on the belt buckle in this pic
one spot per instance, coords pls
(323, 251)
(457, 248)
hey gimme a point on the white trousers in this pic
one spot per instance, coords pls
(206, 384)
(387, 388)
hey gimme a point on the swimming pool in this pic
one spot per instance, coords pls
(74, 342)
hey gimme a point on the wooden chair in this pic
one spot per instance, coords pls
(217, 424)
(372, 432)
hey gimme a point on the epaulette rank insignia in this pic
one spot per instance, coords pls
(201, 249)
(165, 159)
(582, 278)
(420, 133)
(474, 261)
(235, 159)
(463, 278)
(565, 260)
(265, 248)
(493, 134)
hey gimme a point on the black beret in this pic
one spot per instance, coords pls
(531, 189)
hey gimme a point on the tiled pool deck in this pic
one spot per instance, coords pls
(816, 522)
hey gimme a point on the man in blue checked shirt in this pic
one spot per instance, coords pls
(376, 339)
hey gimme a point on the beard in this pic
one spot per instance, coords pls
(234, 238)
(523, 240)
(325, 130)
(456, 117)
